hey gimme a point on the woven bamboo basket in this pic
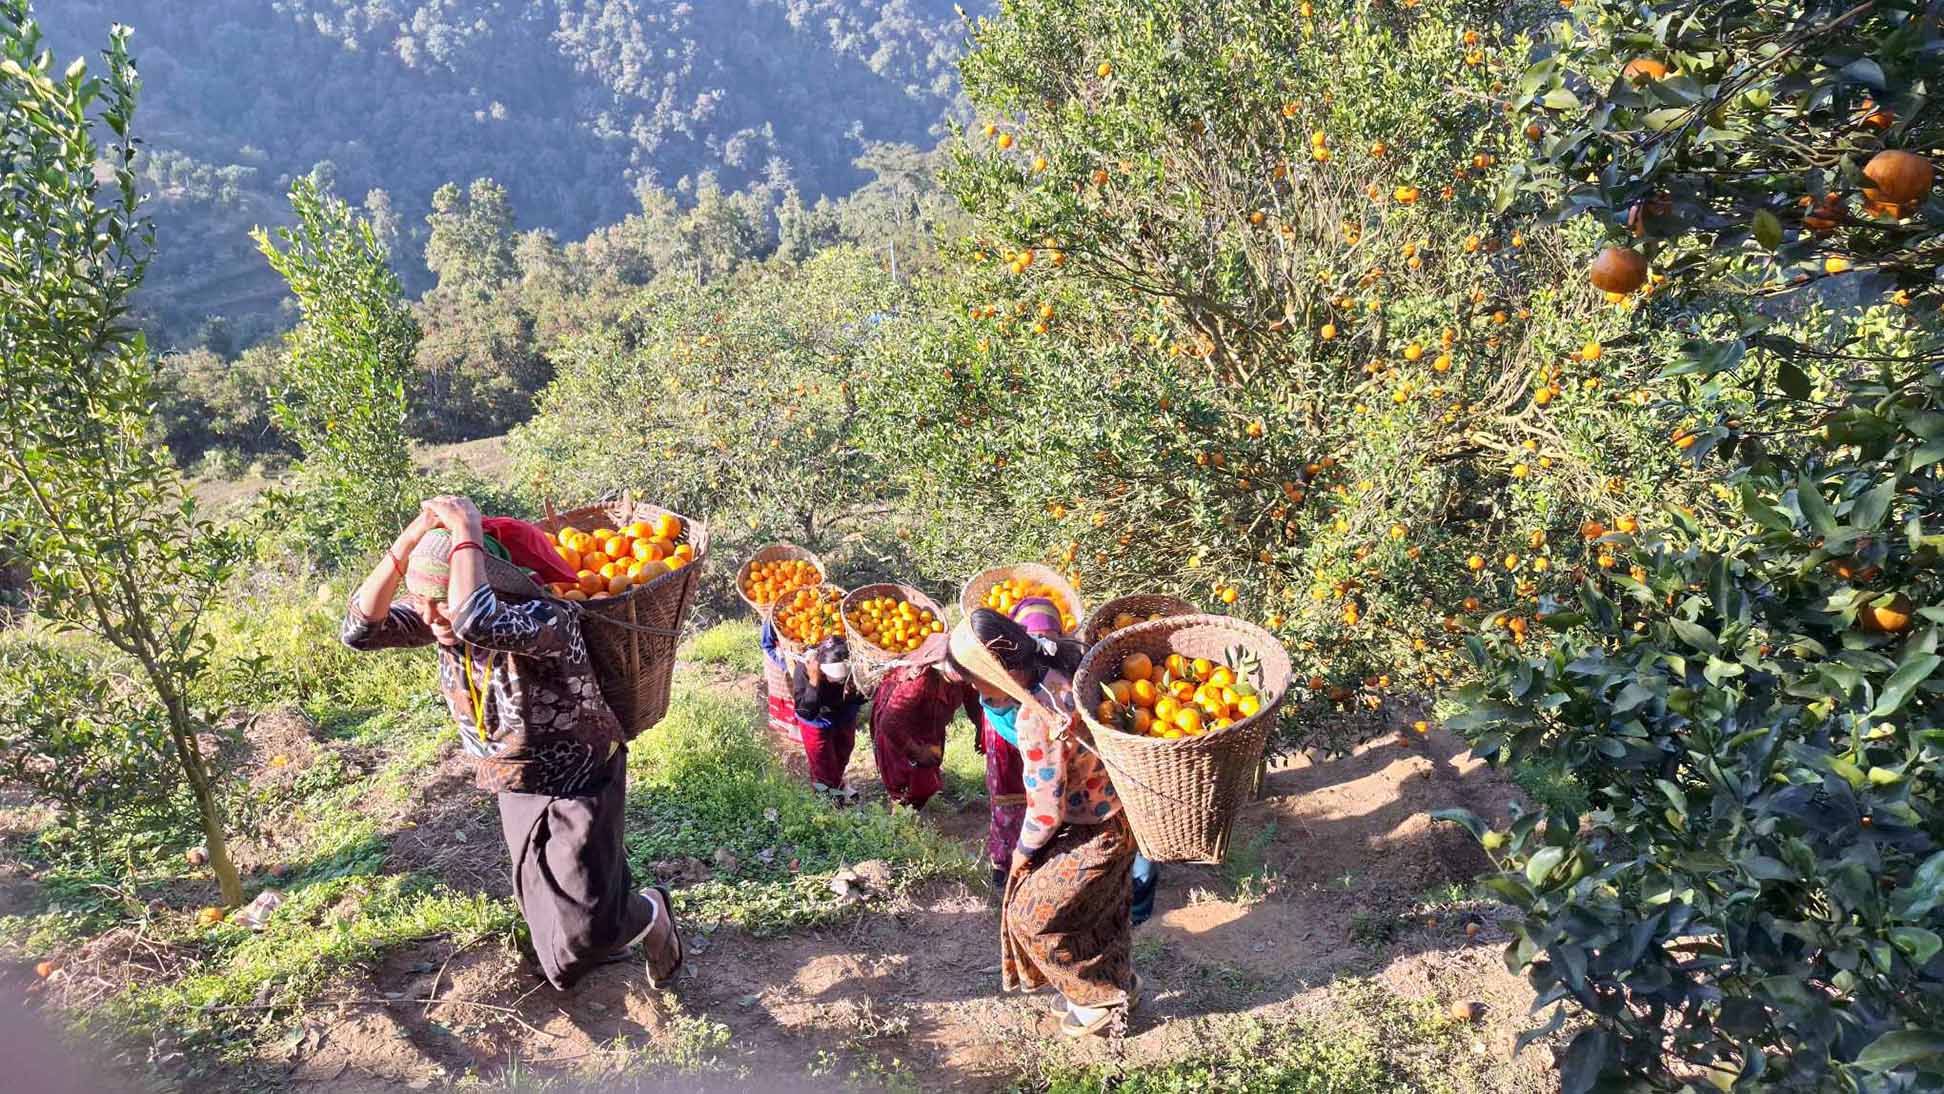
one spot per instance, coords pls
(1182, 795)
(869, 661)
(972, 596)
(631, 638)
(776, 552)
(791, 649)
(1140, 606)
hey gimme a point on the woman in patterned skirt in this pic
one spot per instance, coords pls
(514, 669)
(1064, 919)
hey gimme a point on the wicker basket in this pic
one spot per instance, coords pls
(869, 661)
(776, 552)
(631, 638)
(792, 649)
(972, 597)
(1182, 795)
(1140, 606)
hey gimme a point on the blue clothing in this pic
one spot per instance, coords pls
(1004, 721)
(1147, 878)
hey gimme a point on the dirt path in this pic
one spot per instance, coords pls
(1328, 883)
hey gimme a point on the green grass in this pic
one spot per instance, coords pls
(732, 645)
(1552, 785)
(1371, 1041)
(324, 928)
(964, 766)
(705, 781)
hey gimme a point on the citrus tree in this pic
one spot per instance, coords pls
(88, 496)
(346, 367)
(1238, 318)
(733, 400)
(1749, 693)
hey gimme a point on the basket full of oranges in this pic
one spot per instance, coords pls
(638, 566)
(1180, 710)
(890, 623)
(776, 570)
(1003, 587)
(806, 616)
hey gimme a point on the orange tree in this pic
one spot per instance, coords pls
(90, 502)
(1757, 895)
(733, 400)
(1237, 319)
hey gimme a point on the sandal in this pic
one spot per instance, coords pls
(681, 952)
(1073, 1028)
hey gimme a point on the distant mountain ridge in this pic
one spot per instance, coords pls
(567, 103)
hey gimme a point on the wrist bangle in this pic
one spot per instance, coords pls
(397, 566)
(464, 544)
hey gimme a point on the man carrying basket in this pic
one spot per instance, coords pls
(514, 669)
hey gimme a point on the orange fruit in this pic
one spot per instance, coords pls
(1642, 70)
(1143, 693)
(1619, 270)
(1137, 666)
(668, 526)
(1166, 707)
(1887, 616)
(1143, 720)
(1123, 691)
(1188, 720)
(639, 530)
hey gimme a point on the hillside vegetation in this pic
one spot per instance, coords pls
(570, 106)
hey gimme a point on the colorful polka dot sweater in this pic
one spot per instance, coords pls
(1066, 783)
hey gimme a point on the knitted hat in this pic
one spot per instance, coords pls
(428, 572)
(1040, 617)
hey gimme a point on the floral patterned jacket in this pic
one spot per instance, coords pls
(520, 686)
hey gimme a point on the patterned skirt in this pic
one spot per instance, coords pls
(1065, 920)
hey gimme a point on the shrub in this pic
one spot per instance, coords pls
(1748, 694)
(732, 401)
(97, 509)
(343, 402)
(1238, 319)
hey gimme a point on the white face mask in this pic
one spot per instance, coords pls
(837, 671)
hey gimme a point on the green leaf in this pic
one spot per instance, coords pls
(1901, 1049)
(1560, 99)
(1701, 638)
(1930, 453)
(1814, 508)
(1585, 1058)
(1463, 818)
(1917, 943)
(1768, 232)
(1914, 671)
(1869, 509)
(1541, 865)
(1792, 380)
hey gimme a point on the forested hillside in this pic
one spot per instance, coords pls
(568, 104)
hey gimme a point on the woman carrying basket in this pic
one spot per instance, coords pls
(911, 709)
(825, 706)
(1041, 619)
(1064, 917)
(514, 668)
